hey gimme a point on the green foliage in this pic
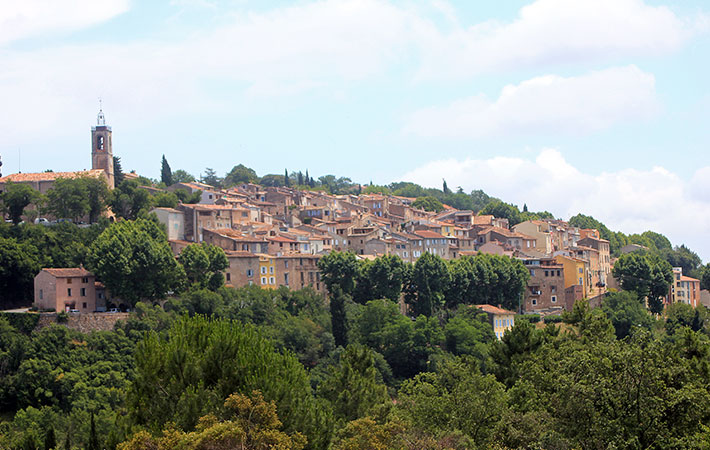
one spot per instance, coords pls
(19, 263)
(129, 201)
(202, 361)
(182, 176)
(23, 322)
(456, 397)
(428, 203)
(118, 175)
(240, 174)
(680, 315)
(645, 274)
(382, 277)
(682, 257)
(339, 268)
(16, 197)
(353, 386)
(500, 209)
(134, 261)
(626, 313)
(427, 285)
(212, 179)
(203, 265)
(339, 323)
(166, 175)
(469, 333)
(165, 200)
(188, 198)
(74, 198)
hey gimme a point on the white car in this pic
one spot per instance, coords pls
(41, 220)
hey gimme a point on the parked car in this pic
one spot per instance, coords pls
(113, 310)
(41, 220)
(73, 310)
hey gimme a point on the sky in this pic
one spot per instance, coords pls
(592, 106)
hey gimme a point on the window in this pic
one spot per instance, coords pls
(263, 280)
(101, 295)
(534, 301)
(532, 272)
(271, 269)
(558, 273)
(286, 279)
(580, 281)
(85, 280)
(250, 273)
(553, 299)
(41, 294)
(263, 270)
(581, 270)
(286, 264)
(69, 280)
(229, 276)
(547, 273)
(82, 292)
(68, 292)
(83, 305)
(272, 280)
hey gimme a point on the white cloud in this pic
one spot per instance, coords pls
(25, 18)
(580, 104)
(556, 31)
(627, 200)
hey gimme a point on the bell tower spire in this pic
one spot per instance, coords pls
(101, 147)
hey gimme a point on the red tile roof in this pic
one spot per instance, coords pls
(494, 309)
(50, 176)
(72, 272)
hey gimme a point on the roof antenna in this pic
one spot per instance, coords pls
(19, 160)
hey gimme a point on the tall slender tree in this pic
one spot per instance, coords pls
(118, 175)
(166, 175)
(287, 182)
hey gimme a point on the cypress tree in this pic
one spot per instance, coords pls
(50, 441)
(93, 437)
(287, 182)
(300, 178)
(337, 315)
(166, 175)
(117, 171)
(446, 188)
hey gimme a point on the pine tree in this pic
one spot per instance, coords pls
(300, 178)
(287, 182)
(308, 179)
(525, 207)
(446, 188)
(117, 171)
(166, 175)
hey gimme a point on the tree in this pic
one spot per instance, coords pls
(98, 196)
(287, 180)
(429, 281)
(381, 278)
(682, 257)
(445, 188)
(134, 261)
(129, 201)
(240, 174)
(338, 318)
(249, 423)
(68, 198)
(200, 362)
(353, 387)
(647, 275)
(50, 440)
(339, 269)
(166, 175)
(502, 210)
(188, 198)
(428, 203)
(118, 175)
(181, 176)
(211, 178)
(300, 178)
(93, 443)
(626, 311)
(19, 263)
(203, 265)
(456, 397)
(16, 197)
(164, 200)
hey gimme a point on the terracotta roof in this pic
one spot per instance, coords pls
(50, 176)
(494, 309)
(684, 278)
(280, 239)
(238, 254)
(428, 234)
(66, 273)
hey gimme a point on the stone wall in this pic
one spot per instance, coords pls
(86, 322)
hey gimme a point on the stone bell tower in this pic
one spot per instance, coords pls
(101, 148)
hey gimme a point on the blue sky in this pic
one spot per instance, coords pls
(595, 106)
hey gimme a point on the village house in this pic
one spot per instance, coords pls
(546, 288)
(500, 319)
(539, 230)
(68, 290)
(684, 289)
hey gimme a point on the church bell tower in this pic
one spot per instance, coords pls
(101, 148)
